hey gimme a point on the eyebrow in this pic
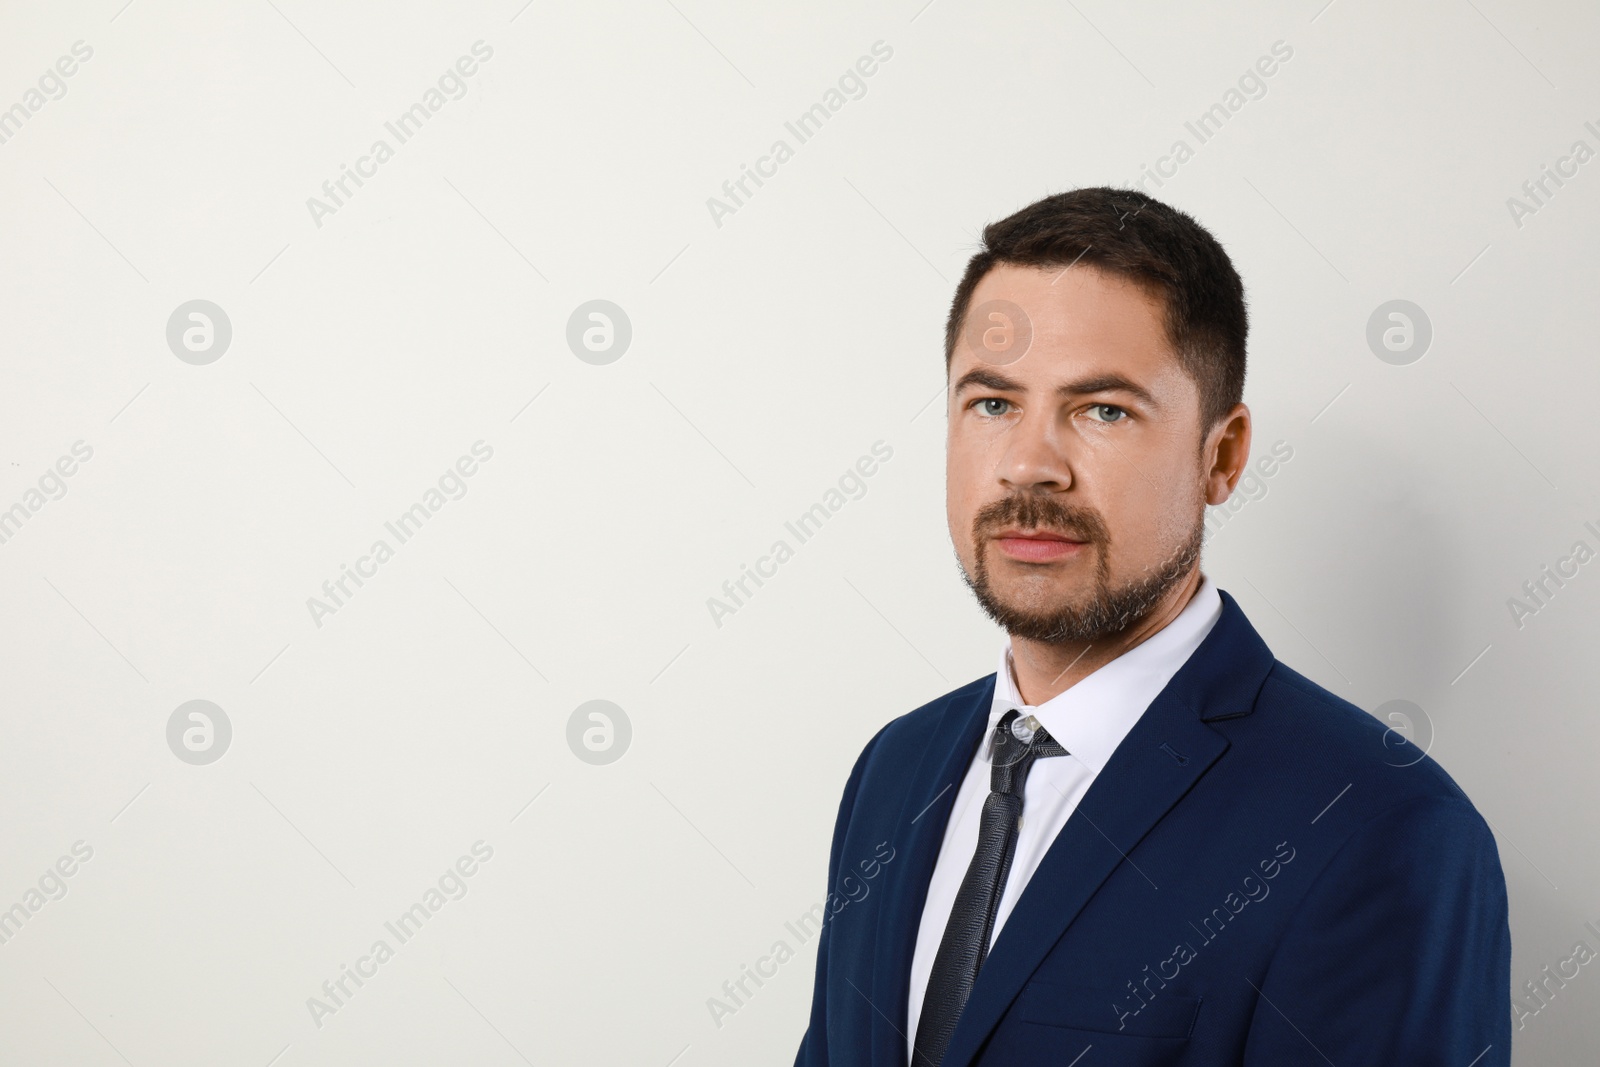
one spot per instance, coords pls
(1108, 382)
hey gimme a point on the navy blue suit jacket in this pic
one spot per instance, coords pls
(1262, 875)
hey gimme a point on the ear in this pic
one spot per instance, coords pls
(1226, 452)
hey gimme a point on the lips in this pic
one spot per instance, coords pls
(1037, 546)
(1036, 535)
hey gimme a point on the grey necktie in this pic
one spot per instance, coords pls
(965, 944)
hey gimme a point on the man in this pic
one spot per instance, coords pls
(1142, 840)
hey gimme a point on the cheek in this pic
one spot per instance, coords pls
(962, 479)
(1155, 504)
(961, 506)
(958, 515)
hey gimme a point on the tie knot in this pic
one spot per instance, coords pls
(1018, 741)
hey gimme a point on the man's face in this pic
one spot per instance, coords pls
(1075, 487)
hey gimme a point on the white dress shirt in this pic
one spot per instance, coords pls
(1090, 719)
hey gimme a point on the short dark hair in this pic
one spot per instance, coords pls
(1137, 237)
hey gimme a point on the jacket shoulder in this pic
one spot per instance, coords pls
(916, 726)
(1314, 725)
(896, 749)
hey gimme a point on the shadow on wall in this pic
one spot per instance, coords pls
(1366, 562)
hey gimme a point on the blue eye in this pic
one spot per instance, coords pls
(1119, 416)
(981, 403)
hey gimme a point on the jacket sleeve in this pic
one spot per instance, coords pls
(814, 1044)
(1400, 952)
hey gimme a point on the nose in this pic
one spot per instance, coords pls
(1032, 457)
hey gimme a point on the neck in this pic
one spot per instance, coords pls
(1044, 670)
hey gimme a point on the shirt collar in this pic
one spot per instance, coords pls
(1091, 718)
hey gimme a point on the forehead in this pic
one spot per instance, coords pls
(1080, 315)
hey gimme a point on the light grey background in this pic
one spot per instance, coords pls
(768, 353)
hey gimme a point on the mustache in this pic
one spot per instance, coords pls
(1033, 512)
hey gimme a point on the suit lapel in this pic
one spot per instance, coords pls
(1169, 749)
(920, 831)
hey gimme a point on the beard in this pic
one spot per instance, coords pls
(1109, 609)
